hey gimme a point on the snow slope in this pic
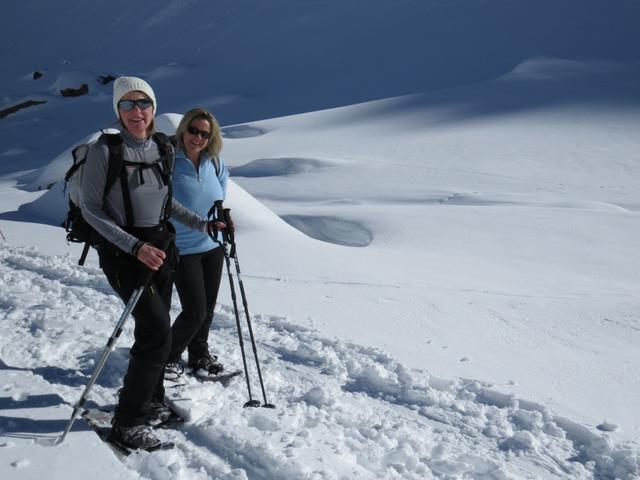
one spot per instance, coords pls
(343, 410)
(256, 59)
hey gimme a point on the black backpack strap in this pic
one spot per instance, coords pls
(116, 170)
(126, 197)
(166, 149)
(116, 159)
(79, 155)
(167, 157)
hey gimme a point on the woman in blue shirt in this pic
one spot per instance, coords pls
(199, 179)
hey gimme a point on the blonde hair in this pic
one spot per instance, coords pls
(214, 144)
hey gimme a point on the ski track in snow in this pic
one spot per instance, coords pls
(340, 407)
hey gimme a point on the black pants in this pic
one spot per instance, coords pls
(143, 381)
(197, 282)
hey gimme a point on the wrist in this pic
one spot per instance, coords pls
(136, 248)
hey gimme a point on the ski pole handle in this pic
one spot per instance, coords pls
(151, 255)
(215, 215)
(229, 229)
(215, 212)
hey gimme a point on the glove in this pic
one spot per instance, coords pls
(213, 226)
(226, 213)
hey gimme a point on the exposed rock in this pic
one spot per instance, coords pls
(20, 106)
(75, 92)
(104, 79)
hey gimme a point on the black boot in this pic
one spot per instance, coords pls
(206, 366)
(135, 436)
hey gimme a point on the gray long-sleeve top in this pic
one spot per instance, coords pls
(147, 198)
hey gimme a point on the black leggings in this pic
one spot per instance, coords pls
(143, 381)
(197, 282)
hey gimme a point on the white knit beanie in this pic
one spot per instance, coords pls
(124, 85)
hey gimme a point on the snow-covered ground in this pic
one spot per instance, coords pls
(442, 273)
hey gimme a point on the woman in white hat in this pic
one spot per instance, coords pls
(132, 219)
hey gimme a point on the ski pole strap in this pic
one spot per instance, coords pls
(218, 213)
(215, 212)
(215, 215)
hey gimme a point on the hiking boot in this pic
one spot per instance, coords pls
(173, 371)
(136, 436)
(206, 366)
(160, 413)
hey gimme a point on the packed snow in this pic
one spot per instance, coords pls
(437, 207)
(342, 410)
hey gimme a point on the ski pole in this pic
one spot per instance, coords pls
(85, 252)
(216, 207)
(135, 297)
(234, 253)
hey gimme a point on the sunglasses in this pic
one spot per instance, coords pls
(195, 132)
(128, 105)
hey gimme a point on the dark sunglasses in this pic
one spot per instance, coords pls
(195, 132)
(142, 104)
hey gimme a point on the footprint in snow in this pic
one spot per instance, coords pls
(607, 426)
(243, 131)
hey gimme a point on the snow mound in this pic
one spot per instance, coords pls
(275, 167)
(55, 170)
(74, 79)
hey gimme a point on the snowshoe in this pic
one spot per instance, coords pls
(162, 415)
(206, 366)
(173, 371)
(101, 421)
(137, 437)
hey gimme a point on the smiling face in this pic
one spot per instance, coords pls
(194, 140)
(136, 120)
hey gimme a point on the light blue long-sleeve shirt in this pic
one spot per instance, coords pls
(197, 190)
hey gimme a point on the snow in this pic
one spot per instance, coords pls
(437, 210)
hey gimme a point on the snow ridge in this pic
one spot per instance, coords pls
(341, 407)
